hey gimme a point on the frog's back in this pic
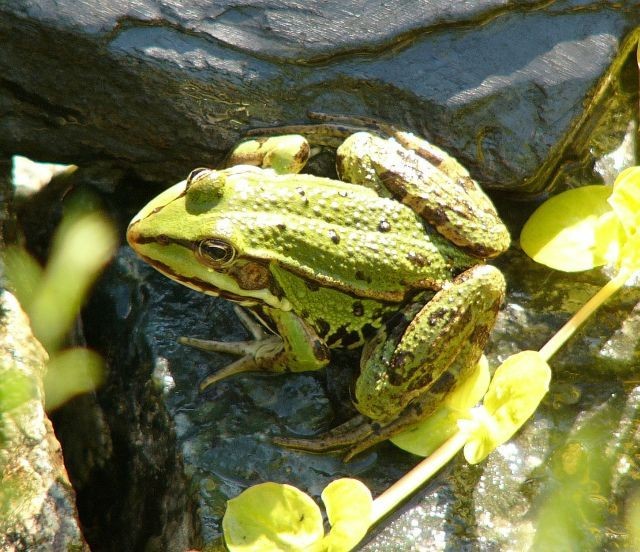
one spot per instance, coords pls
(338, 235)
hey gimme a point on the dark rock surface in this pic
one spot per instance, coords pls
(159, 87)
(37, 503)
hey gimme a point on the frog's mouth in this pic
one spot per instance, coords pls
(198, 284)
(238, 283)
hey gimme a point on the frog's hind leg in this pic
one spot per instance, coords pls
(407, 371)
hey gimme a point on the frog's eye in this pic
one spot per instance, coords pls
(194, 174)
(215, 253)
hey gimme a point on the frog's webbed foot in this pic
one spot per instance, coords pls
(347, 437)
(351, 438)
(255, 355)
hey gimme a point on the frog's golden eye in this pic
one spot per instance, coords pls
(215, 253)
(194, 173)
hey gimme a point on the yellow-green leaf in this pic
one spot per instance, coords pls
(630, 253)
(575, 230)
(272, 517)
(348, 504)
(425, 437)
(24, 274)
(625, 199)
(81, 247)
(517, 387)
(71, 372)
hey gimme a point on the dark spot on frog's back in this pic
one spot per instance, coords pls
(334, 236)
(360, 275)
(281, 226)
(384, 226)
(312, 286)
(344, 337)
(322, 327)
(368, 331)
(417, 259)
(358, 308)
(435, 316)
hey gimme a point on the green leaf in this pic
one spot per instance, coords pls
(349, 505)
(575, 230)
(24, 274)
(82, 245)
(425, 437)
(71, 372)
(272, 517)
(625, 201)
(517, 387)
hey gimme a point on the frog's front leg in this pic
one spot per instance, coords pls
(302, 349)
(420, 357)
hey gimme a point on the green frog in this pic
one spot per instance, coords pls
(389, 257)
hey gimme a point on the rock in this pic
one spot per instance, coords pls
(37, 503)
(158, 88)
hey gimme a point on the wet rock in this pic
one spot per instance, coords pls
(152, 87)
(37, 503)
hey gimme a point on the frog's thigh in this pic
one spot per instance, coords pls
(425, 356)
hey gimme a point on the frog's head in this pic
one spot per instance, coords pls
(190, 233)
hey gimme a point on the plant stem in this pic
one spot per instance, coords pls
(411, 481)
(564, 333)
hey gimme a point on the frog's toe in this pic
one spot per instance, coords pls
(342, 437)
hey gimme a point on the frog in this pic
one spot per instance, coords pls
(390, 258)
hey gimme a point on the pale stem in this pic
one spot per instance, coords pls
(564, 333)
(414, 479)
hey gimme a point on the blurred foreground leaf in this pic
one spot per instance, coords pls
(52, 298)
(71, 372)
(81, 247)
